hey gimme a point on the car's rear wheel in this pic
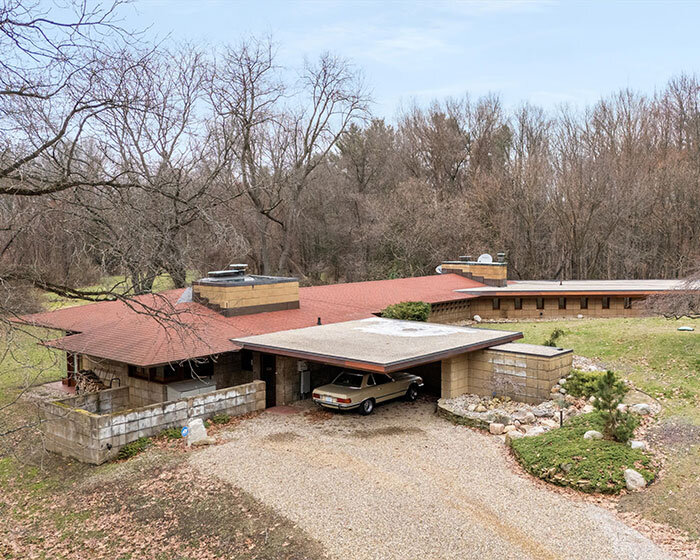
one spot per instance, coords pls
(412, 393)
(367, 407)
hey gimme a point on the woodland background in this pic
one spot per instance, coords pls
(123, 158)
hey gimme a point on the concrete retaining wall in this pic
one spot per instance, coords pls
(90, 436)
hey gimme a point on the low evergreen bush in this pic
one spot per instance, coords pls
(582, 383)
(408, 311)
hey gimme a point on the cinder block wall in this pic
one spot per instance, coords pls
(521, 376)
(95, 438)
(456, 376)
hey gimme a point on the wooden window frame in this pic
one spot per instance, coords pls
(539, 302)
(518, 303)
(562, 302)
(496, 304)
(605, 302)
(584, 303)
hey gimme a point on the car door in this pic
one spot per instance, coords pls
(386, 387)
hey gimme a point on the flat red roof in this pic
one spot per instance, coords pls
(127, 332)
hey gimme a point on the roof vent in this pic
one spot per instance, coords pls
(485, 258)
(233, 271)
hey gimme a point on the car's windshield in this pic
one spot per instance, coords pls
(346, 379)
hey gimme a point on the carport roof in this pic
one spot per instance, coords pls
(377, 344)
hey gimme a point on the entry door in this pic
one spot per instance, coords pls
(268, 376)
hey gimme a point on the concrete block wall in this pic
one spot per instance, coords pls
(484, 308)
(456, 376)
(287, 380)
(95, 438)
(524, 377)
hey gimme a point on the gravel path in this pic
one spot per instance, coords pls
(404, 484)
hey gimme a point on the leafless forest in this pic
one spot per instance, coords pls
(118, 157)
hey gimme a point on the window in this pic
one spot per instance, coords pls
(540, 303)
(606, 303)
(518, 303)
(142, 372)
(584, 303)
(562, 303)
(496, 303)
(346, 379)
(381, 378)
(370, 381)
(628, 303)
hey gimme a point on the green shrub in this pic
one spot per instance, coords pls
(408, 311)
(609, 392)
(552, 340)
(582, 383)
(561, 456)
(134, 448)
(171, 433)
(221, 418)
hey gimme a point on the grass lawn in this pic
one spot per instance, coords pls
(651, 352)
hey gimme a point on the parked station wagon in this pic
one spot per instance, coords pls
(362, 391)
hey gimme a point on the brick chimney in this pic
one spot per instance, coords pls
(484, 269)
(232, 292)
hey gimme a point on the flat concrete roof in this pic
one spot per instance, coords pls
(377, 344)
(598, 287)
(532, 349)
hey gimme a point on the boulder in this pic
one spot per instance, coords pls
(480, 408)
(634, 481)
(592, 434)
(622, 407)
(471, 408)
(496, 429)
(536, 431)
(638, 444)
(510, 436)
(542, 412)
(509, 428)
(587, 408)
(642, 409)
(197, 433)
(524, 416)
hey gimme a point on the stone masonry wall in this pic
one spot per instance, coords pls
(91, 437)
(287, 380)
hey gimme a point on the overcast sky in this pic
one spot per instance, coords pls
(543, 52)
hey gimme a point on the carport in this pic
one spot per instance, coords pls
(375, 345)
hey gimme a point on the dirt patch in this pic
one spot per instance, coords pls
(282, 437)
(674, 432)
(318, 415)
(387, 431)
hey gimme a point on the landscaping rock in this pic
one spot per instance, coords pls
(591, 399)
(471, 408)
(592, 434)
(622, 407)
(480, 408)
(562, 390)
(587, 408)
(535, 431)
(554, 389)
(524, 416)
(509, 428)
(642, 409)
(562, 381)
(197, 434)
(638, 444)
(634, 481)
(495, 428)
(510, 436)
(541, 412)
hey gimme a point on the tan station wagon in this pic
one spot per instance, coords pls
(355, 389)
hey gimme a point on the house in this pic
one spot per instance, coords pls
(236, 342)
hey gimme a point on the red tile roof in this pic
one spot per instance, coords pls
(134, 334)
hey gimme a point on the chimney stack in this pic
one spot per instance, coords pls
(484, 269)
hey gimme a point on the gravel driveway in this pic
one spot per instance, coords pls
(404, 483)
